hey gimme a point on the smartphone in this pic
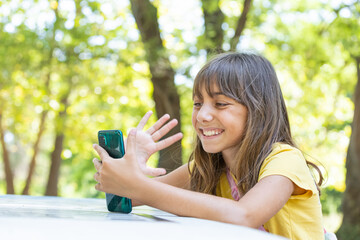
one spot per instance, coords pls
(113, 142)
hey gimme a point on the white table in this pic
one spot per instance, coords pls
(47, 218)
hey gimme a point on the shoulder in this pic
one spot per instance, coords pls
(284, 154)
(283, 148)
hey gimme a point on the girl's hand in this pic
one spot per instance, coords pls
(147, 142)
(118, 176)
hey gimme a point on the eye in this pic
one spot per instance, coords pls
(197, 104)
(221, 104)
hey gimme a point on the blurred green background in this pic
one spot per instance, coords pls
(69, 68)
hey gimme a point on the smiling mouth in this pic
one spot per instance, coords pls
(210, 133)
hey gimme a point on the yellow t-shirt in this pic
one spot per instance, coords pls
(301, 217)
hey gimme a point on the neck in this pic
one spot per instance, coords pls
(230, 160)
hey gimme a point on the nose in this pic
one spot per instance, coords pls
(204, 114)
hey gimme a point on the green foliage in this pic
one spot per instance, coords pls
(104, 91)
(93, 54)
(331, 201)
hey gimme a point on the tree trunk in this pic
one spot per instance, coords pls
(7, 167)
(214, 19)
(350, 227)
(165, 94)
(52, 184)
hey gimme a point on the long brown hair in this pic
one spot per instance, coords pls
(251, 80)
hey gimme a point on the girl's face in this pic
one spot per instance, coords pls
(219, 122)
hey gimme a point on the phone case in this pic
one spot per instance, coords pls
(113, 142)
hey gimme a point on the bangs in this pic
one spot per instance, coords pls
(220, 75)
(208, 83)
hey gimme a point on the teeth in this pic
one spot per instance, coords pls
(211, 133)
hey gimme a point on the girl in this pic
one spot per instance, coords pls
(245, 168)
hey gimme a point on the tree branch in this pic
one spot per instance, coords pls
(240, 25)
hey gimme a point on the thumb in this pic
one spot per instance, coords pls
(101, 151)
(154, 172)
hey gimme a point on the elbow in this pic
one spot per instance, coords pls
(243, 217)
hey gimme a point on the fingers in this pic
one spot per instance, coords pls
(98, 187)
(164, 130)
(158, 124)
(168, 141)
(144, 120)
(97, 177)
(102, 153)
(157, 130)
(97, 164)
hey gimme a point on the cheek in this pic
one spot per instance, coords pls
(193, 118)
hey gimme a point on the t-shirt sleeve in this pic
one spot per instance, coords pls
(290, 162)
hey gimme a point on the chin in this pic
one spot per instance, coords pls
(211, 150)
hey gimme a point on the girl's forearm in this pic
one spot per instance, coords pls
(179, 178)
(189, 203)
(135, 203)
